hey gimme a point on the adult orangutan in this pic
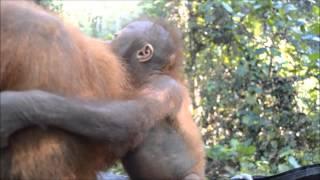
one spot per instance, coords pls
(173, 149)
(39, 51)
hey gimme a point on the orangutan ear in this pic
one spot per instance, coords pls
(145, 53)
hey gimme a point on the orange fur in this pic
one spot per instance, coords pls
(39, 51)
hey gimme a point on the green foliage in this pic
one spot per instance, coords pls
(55, 6)
(100, 19)
(253, 68)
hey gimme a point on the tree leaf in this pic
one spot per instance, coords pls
(227, 7)
(310, 37)
(289, 7)
(293, 162)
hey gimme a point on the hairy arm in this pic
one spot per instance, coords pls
(111, 121)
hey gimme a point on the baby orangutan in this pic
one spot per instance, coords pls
(174, 148)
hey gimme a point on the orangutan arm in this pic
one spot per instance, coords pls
(111, 121)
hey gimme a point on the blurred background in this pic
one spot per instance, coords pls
(252, 68)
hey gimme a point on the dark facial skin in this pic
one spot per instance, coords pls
(165, 152)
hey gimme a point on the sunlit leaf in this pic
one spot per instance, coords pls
(278, 4)
(316, 10)
(241, 70)
(246, 120)
(289, 7)
(283, 167)
(293, 162)
(227, 7)
(275, 52)
(251, 99)
(246, 150)
(301, 22)
(234, 143)
(315, 28)
(260, 51)
(314, 56)
(310, 37)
